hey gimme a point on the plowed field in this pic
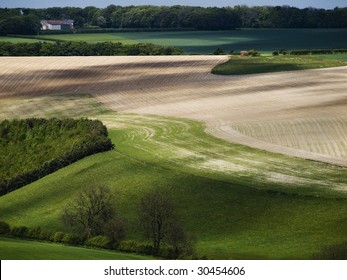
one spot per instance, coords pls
(299, 113)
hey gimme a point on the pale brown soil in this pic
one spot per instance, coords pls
(299, 113)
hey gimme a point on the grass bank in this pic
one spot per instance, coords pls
(16, 249)
(238, 65)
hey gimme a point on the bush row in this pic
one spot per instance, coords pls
(62, 48)
(104, 242)
(94, 140)
(308, 52)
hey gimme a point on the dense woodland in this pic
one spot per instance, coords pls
(33, 148)
(26, 21)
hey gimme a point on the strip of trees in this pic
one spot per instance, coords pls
(33, 148)
(26, 21)
(94, 220)
(84, 49)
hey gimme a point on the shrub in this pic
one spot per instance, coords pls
(4, 228)
(322, 52)
(99, 241)
(144, 248)
(253, 53)
(20, 231)
(218, 51)
(72, 239)
(275, 53)
(300, 52)
(33, 233)
(44, 235)
(283, 52)
(127, 246)
(340, 51)
(57, 236)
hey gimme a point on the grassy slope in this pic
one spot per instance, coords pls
(231, 214)
(16, 249)
(251, 65)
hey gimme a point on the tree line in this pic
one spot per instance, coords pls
(26, 21)
(63, 48)
(33, 148)
(93, 220)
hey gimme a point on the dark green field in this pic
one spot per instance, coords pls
(265, 40)
(202, 42)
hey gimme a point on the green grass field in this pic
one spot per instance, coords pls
(203, 42)
(238, 202)
(16, 249)
(18, 40)
(263, 64)
(265, 40)
(92, 38)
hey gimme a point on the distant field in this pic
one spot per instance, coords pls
(93, 38)
(17, 40)
(265, 40)
(203, 42)
(16, 249)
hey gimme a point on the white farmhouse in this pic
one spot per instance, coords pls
(57, 24)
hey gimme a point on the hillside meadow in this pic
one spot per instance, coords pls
(232, 214)
(237, 202)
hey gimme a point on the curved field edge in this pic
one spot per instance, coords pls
(183, 86)
(17, 249)
(224, 199)
(237, 65)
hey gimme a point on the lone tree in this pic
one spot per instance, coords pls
(161, 224)
(155, 216)
(92, 213)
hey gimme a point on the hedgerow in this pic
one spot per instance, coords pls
(78, 48)
(319, 51)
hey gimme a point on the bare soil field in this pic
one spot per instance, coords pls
(299, 113)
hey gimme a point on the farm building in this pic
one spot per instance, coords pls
(57, 24)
